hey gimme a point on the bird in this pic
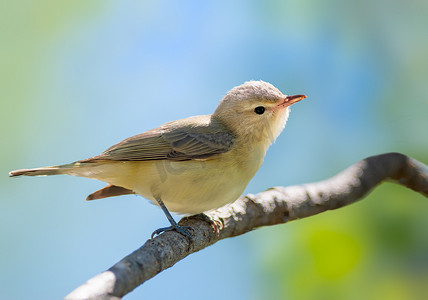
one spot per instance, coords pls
(191, 165)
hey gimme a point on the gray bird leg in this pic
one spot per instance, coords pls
(174, 225)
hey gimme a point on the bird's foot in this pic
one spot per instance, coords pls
(181, 229)
(216, 225)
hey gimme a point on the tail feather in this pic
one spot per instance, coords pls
(55, 170)
(109, 191)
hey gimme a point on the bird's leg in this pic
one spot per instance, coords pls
(174, 225)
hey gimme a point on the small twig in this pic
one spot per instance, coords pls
(274, 206)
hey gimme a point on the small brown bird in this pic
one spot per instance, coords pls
(195, 164)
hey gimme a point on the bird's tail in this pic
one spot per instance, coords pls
(54, 170)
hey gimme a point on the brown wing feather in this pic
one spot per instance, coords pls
(192, 138)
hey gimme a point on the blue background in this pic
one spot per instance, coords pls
(79, 76)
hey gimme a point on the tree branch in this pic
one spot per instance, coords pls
(273, 206)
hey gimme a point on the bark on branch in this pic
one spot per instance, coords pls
(273, 206)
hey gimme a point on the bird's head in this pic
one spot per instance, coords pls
(255, 111)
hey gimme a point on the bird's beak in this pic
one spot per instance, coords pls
(289, 100)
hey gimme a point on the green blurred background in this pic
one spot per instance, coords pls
(79, 76)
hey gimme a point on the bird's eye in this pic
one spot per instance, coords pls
(259, 110)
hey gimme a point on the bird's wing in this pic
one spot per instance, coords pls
(179, 140)
(197, 144)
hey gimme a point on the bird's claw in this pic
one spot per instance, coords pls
(216, 225)
(181, 229)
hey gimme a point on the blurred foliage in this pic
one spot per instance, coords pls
(78, 76)
(28, 29)
(376, 249)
